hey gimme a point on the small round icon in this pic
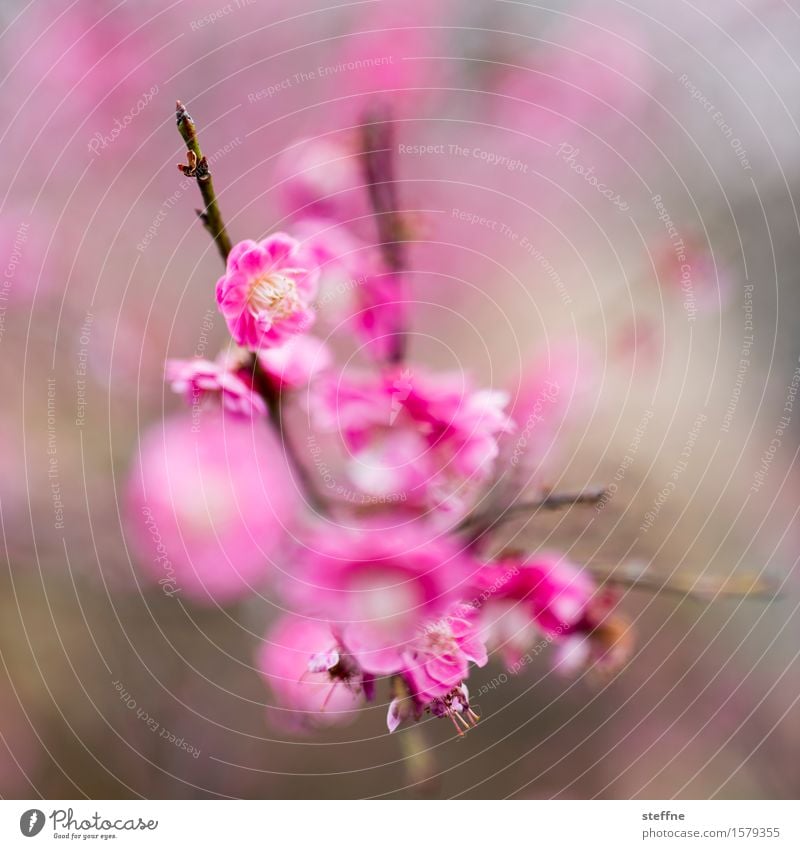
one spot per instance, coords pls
(31, 822)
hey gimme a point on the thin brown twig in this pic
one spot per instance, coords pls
(479, 523)
(197, 167)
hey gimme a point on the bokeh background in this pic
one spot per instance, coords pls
(687, 116)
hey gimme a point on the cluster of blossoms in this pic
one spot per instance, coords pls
(404, 594)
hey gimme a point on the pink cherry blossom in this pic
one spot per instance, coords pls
(523, 600)
(208, 502)
(265, 295)
(308, 692)
(355, 290)
(297, 362)
(556, 591)
(437, 660)
(377, 585)
(430, 437)
(198, 378)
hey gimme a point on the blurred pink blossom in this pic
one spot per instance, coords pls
(306, 696)
(437, 660)
(208, 502)
(378, 585)
(225, 377)
(408, 431)
(321, 177)
(531, 597)
(297, 362)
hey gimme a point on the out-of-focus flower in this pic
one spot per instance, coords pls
(308, 691)
(378, 313)
(198, 378)
(602, 641)
(553, 389)
(525, 598)
(265, 294)
(394, 50)
(355, 289)
(342, 259)
(321, 177)
(426, 436)
(378, 585)
(590, 73)
(209, 499)
(437, 660)
(556, 591)
(297, 362)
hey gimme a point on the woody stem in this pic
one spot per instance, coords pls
(477, 525)
(210, 215)
(417, 756)
(213, 222)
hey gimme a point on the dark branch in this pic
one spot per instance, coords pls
(197, 167)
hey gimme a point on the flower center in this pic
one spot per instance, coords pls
(440, 641)
(276, 294)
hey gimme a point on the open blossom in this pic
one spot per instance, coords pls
(265, 294)
(296, 363)
(424, 435)
(438, 659)
(198, 378)
(436, 666)
(313, 681)
(377, 586)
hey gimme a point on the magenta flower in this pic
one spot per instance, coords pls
(208, 503)
(313, 681)
(556, 591)
(225, 377)
(428, 437)
(296, 363)
(377, 585)
(438, 659)
(265, 294)
(523, 601)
